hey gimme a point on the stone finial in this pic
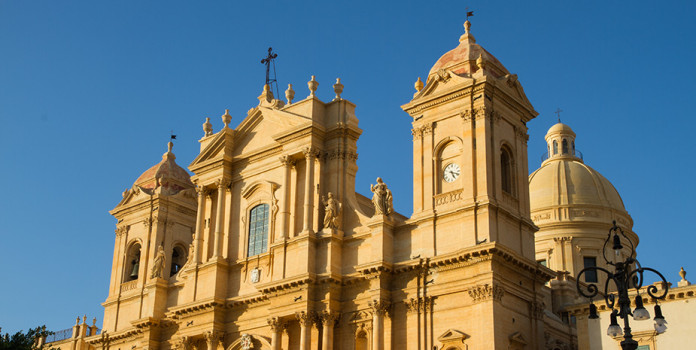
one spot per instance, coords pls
(170, 145)
(683, 282)
(266, 94)
(226, 118)
(312, 84)
(94, 322)
(84, 319)
(467, 34)
(207, 127)
(289, 94)
(77, 322)
(418, 85)
(480, 62)
(338, 89)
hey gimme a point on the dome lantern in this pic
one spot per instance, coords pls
(560, 141)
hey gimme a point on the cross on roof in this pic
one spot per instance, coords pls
(558, 114)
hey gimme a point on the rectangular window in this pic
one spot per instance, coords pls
(591, 275)
(258, 230)
(643, 347)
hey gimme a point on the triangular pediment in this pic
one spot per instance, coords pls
(258, 129)
(517, 339)
(216, 148)
(452, 335)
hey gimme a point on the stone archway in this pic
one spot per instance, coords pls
(248, 341)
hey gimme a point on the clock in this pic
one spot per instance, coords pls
(451, 172)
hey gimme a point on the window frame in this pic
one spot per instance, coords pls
(262, 237)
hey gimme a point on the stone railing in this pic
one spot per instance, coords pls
(448, 197)
(130, 285)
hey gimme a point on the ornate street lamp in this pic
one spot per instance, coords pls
(627, 274)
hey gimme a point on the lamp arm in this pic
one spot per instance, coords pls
(591, 287)
(652, 289)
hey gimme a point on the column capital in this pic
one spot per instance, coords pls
(305, 319)
(311, 152)
(222, 183)
(379, 307)
(287, 161)
(277, 324)
(329, 318)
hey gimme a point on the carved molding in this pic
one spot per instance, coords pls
(448, 197)
(483, 292)
(311, 152)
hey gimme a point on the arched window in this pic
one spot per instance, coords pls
(555, 147)
(132, 263)
(506, 171)
(178, 259)
(572, 146)
(258, 230)
(565, 146)
(361, 341)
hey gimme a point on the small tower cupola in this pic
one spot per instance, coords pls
(560, 140)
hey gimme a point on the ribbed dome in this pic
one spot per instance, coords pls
(566, 182)
(462, 59)
(166, 174)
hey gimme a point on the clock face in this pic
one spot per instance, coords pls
(451, 172)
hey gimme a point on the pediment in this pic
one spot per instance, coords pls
(258, 186)
(445, 81)
(257, 131)
(219, 147)
(453, 336)
(132, 195)
(517, 339)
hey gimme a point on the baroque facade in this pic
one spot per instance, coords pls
(268, 245)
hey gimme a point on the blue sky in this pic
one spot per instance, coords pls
(89, 91)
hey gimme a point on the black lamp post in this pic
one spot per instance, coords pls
(627, 274)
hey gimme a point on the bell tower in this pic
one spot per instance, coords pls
(470, 153)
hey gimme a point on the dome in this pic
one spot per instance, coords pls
(462, 60)
(570, 182)
(166, 174)
(560, 128)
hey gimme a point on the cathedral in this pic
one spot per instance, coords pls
(267, 245)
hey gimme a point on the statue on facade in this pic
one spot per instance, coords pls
(381, 198)
(332, 210)
(158, 264)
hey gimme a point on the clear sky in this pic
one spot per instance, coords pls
(89, 91)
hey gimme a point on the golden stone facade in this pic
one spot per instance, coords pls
(268, 246)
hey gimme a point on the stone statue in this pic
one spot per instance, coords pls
(192, 249)
(158, 264)
(381, 198)
(332, 210)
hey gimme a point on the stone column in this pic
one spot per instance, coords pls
(309, 154)
(328, 320)
(212, 338)
(200, 190)
(221, 184)
(305, 320)
(285, 211)
(379, 310)
(277, 327)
